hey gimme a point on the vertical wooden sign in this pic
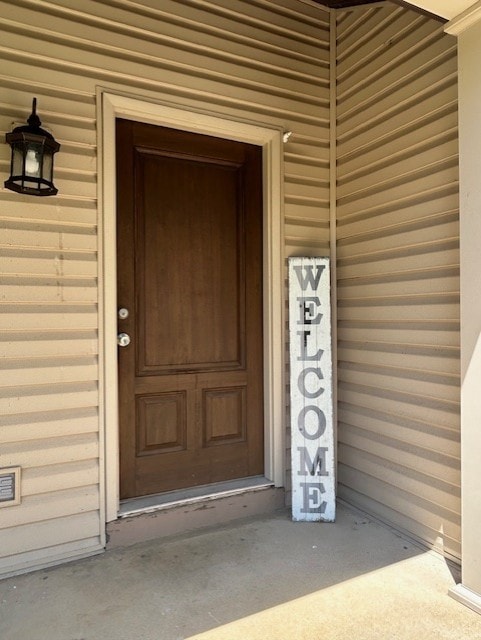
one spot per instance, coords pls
(312, 429)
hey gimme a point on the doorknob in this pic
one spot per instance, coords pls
(123, 340)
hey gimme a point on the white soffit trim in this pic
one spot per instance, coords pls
(467, 19)
(448, 9)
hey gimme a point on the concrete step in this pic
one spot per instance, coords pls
(179, 512)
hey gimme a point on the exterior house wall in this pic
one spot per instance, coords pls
(398, 271)
(260, 62)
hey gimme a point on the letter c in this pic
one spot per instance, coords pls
(301, 382)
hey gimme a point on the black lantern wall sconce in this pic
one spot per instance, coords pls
(31, 167)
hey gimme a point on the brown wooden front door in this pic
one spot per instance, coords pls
(189, 242)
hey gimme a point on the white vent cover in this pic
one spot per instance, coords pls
(9, 486)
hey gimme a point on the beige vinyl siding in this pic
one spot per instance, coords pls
(398, 271)
(307, 195)
(259, 61)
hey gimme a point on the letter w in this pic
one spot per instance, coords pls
(309, 278)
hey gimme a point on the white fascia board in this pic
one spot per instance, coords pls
(465, 20)
(448, 9)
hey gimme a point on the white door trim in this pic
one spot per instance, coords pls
(111, 106)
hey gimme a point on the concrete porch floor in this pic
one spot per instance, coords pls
(260, 578)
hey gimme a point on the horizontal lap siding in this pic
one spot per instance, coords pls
(258, 61)
(398, 271)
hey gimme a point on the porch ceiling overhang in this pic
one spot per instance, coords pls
(447, 9)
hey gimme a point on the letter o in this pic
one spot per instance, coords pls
(321, 422)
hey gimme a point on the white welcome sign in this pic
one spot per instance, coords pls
(312, 429)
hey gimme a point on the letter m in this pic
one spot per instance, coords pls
(306, 465)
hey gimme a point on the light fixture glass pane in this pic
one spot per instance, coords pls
(17, 168)
(33, 160)
(48, 165)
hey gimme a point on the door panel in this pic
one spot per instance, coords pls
(190, 265)
(190, 273)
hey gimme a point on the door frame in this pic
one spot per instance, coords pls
(111, 106)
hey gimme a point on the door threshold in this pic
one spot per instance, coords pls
(203, 493)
